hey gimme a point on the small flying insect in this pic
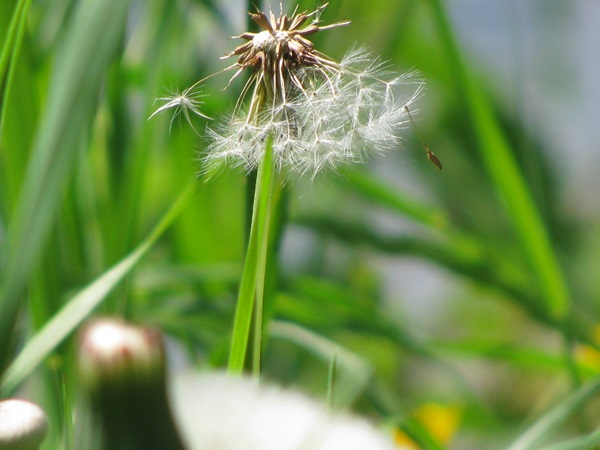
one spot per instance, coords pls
(430, 155)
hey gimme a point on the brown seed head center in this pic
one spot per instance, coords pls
(267, 41)
(282, 45)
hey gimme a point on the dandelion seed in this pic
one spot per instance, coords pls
(183, 103)
(430, 155)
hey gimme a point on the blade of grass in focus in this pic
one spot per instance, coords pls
(74, 86)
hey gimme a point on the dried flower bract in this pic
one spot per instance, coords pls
(278, 52)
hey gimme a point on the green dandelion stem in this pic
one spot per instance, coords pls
(253, 276)
(262, 274)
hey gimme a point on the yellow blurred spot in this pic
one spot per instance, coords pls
(587, 355)
(440, 421)
(403, 441)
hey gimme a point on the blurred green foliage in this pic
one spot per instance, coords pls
(85, 178)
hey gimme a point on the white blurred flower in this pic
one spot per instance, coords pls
(320, 113)
(220, 412)
(23, 425)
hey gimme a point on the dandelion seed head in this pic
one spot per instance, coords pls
(282, 46)
(321, 114)
(340, 118)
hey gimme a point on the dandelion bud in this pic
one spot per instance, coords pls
(23, 425)
(122, 370)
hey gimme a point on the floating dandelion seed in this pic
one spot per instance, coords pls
(430, 155)
(320, 113)
(183, 102)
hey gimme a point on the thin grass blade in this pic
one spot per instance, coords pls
(352, 373)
